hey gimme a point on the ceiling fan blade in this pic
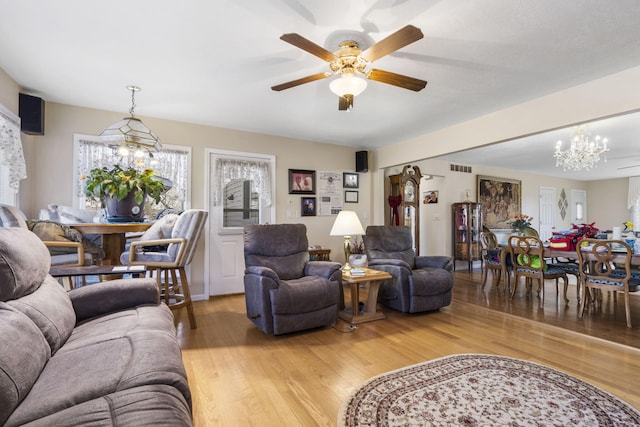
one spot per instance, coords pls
(301, 81)
(298, 41)
(395, 41)
(345, 103)
(399, 80)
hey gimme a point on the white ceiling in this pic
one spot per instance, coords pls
(213, 62)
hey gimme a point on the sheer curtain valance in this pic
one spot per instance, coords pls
(11, 154)
(227, 170)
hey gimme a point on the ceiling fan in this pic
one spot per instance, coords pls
(349, 61)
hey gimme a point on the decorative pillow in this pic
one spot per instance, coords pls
(161, 229)
(52, 231)
(69, 215)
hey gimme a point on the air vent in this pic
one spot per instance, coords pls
(460, 168)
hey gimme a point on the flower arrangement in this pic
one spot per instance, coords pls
(118, 182)
(628, 225)
(520, 222)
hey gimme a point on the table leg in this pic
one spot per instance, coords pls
(355, 298)
(113, 245)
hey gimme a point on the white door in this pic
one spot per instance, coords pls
(547, 212)
(234, 204)
(578, 207)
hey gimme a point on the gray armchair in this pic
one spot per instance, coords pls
(284, 291)
(420, 283)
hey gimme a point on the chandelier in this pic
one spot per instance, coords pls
(130, 133)
(583, 152)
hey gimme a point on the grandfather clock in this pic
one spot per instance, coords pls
(404, 200)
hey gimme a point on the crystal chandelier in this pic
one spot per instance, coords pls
(583, 153)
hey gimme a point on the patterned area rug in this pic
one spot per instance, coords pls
(482, 390)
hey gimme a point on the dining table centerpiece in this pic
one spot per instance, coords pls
(520, 223)
(123, 191)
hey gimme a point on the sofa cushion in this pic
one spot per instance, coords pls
(304, 295)
(430, 281)
(106, 355)
(24, 263)
(161, 229)
(23, 354)
(55, 232)
(50, 309)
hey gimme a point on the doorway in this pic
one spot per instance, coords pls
(547, 212)
(239, 193)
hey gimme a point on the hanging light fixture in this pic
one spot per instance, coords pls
(583, 152)
(130, 133)
(348, 85)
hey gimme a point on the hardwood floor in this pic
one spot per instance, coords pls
(240, 376)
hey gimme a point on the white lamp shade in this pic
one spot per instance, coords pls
(348, 84)
(347, 224)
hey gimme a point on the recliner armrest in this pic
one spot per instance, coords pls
(321, 268)
(434, 262)
(262, 271)
(113, 295)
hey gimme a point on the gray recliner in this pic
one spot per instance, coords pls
(420, 283)
(284, 291)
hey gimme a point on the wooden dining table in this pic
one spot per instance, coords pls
(113, 236)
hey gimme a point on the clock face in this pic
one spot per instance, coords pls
(409, 192)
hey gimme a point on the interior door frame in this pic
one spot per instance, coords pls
(208, 167)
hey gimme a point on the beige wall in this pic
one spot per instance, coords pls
(50, 170)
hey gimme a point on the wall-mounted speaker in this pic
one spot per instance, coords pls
(362, 161)
(31, 111)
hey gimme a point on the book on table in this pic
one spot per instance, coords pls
(357, 272)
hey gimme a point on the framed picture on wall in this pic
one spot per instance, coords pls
(350, 180)
(302, 181)
(308, 206)
(501, 200)
(351, 196)
(430, 197)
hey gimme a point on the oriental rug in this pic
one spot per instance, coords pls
(482, 390)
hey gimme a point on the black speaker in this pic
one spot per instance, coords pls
(31, 110)
(362, 161)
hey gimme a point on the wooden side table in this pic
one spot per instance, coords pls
(352, 314)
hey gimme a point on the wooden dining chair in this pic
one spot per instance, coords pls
(527, 255)
(605, 265)
(491, 259)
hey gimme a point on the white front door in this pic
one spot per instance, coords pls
(547, 212)
(238, 204)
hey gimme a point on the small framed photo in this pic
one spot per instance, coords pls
(430, 197)
(351, 196)
(308, 206)
(302, 181)
(349, 180)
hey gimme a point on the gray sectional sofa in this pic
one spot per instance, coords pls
(102, 355)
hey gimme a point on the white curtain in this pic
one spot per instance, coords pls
(11, 154)
(257, 171)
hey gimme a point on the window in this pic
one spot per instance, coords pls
(12, 165)
(172, 163)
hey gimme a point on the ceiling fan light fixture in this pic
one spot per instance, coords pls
(348, 84)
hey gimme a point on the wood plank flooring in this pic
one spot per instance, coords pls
(242, 377)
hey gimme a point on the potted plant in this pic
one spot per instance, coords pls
(123, 191)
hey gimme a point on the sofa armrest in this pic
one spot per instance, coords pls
(324, 269)
(113, 295)
(434, 262)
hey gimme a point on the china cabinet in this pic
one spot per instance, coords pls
(467, 225)
(404, 201)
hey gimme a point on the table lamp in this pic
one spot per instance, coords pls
(347, 224)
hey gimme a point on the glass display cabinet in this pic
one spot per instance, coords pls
(467, 225)
(405, 188)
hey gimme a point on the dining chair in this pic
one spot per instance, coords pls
(527, 256)
(168, 257)
(491, 259)
(605, 265)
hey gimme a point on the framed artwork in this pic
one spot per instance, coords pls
(351, 196)
(501, 199)
(430, 197)
(308, 206)
(349, 180)
(302, 181)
